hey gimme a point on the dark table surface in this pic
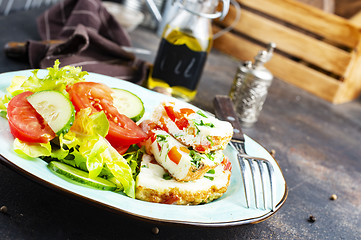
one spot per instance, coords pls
(317, 145)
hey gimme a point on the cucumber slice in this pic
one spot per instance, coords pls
(72, 174)
(128, 104)
(56, 109)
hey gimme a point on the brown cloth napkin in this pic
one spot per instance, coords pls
(88, 36)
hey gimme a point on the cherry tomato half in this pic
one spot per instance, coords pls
(25, 122)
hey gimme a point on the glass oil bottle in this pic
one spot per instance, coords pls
(184, 47)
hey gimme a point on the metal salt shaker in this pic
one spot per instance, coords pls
(250, 87)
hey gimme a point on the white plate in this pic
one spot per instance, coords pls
(229, 210)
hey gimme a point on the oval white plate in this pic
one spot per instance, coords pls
(229, 210)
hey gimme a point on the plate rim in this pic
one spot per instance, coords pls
(108, 207)
(94, 202)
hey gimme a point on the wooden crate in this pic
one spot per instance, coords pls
(317, 51)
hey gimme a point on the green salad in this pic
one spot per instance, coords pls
(76, 127)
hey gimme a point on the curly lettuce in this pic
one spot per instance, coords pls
(56, 79)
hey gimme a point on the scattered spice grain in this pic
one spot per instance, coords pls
(333, 197)
(273, 153)
(155, 230)
(3, 209)
(312, 219)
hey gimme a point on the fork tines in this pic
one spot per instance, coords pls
(262, 174)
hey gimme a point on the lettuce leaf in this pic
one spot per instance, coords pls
(56, 79)
(134, 157)
(85, 147)
(89, 147)
(16, 85)
(32, 150)
(90, 124)
(120, 169)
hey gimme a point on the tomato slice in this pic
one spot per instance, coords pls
(179, 118)
(121, 149)
(147, 126)
(174, 155)
(25, 122)
(227, 165)
(122, 130)
(186, 111)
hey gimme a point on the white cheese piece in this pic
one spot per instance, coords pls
(151, 177)
(183, 167)
(204, 133)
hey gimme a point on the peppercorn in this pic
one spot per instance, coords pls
(155, 230)
(3, 209)
(273, 152)
(312, 219)
(333, 197)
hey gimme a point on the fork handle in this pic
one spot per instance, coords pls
(224, 110)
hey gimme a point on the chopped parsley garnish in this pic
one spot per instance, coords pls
(210, 140)
(178, 135)
(212, 171)
(210, 178)
(196, 158)
(211, 155)
(197, 128)
(201, 123)
(162, 138)
(201, 113)
(166, 176)
(209, 174)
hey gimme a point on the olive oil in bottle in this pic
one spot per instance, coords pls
(183, 50)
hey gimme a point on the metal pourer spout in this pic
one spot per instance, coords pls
(264, 55)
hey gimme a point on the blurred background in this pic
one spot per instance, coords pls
(343, 8)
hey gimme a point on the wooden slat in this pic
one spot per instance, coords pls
(330, 26)
(325, 5)
(298, 74)
(356, 19)
(297, 44)
(304, 77)
(351, 87)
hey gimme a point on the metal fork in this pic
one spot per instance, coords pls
(224, 110)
